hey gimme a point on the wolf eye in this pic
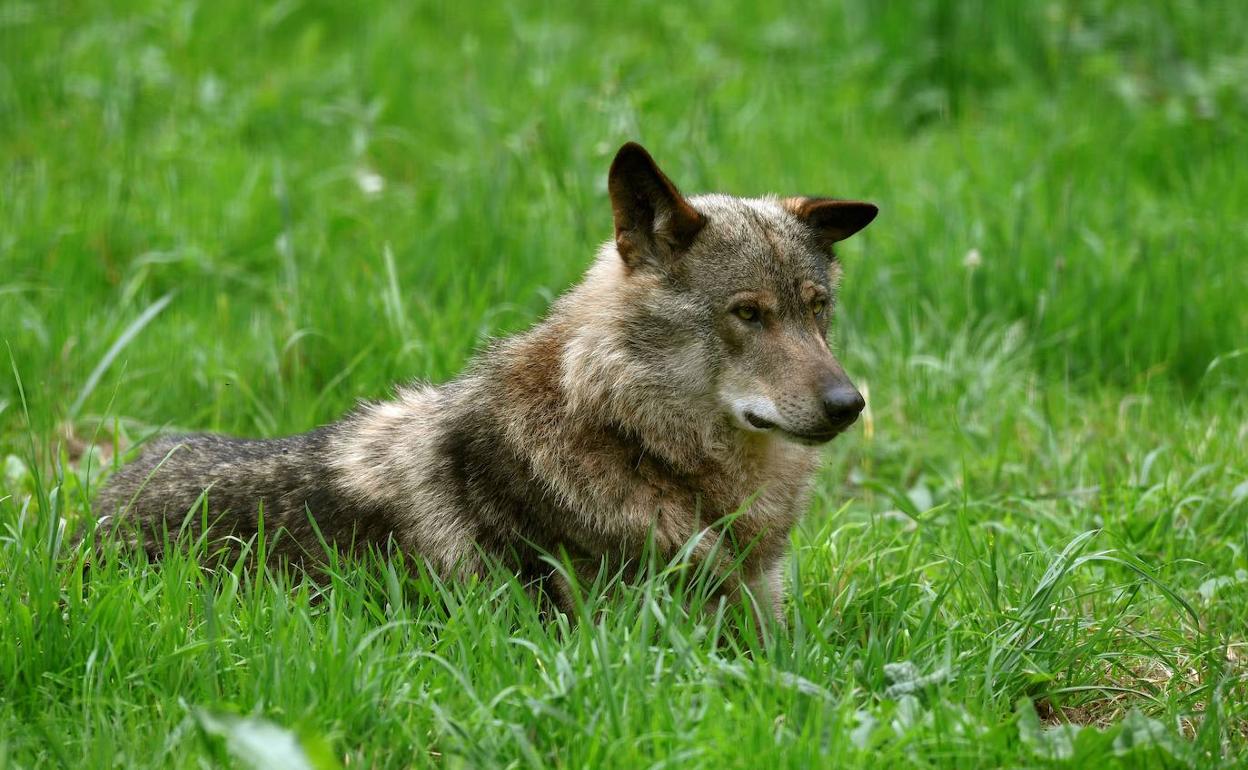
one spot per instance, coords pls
(747, 313)
(818, 306)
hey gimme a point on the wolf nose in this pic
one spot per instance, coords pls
(842, 403)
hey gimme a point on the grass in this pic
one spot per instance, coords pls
(226, 216)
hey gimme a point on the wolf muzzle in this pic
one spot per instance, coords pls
(842, 403)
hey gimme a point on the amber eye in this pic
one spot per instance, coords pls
(818, 306)
(747, 313)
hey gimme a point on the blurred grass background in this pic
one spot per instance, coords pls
(258, 159)
(246, 216)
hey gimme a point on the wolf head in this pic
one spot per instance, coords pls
(724, 301)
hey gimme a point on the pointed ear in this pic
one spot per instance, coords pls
(652, 218)
(832, 220)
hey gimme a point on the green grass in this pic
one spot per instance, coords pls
(1040, 522)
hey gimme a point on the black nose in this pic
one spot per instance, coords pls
(842, 402)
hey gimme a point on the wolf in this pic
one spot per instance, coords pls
(675, 399)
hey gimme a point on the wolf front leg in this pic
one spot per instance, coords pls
(672, 523)
(766, 586)
(753, 578)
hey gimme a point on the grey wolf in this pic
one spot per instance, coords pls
(686, 378)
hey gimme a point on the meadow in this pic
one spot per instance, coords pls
(246, 217)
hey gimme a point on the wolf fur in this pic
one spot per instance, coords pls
(688, 375)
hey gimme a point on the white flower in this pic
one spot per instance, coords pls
(370, 182)
(972, 260)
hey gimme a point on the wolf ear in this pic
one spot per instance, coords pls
(652, 218)
(832, 220)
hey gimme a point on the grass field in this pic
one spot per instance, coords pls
(245, 217)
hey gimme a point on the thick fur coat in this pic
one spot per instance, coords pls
(685, 379)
